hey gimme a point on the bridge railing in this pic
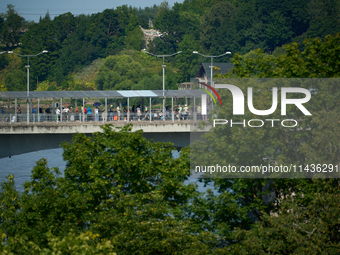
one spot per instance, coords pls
(11, 119)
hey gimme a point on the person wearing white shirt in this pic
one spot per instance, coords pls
(57, 112)
(118, 112)
(96, 114)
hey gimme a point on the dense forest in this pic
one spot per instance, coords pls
(79, 45)
(121, 193)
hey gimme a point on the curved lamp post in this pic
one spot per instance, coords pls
(211, 66)
(28, 78)
(163, 56)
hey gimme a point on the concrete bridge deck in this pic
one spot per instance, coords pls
(21, 138)
(91, 127)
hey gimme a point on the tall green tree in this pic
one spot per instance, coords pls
(12, 27)
(40, 37)
(16, 81)
(218, 28)
(279, 205)
(318, 59)
(325, 19)
(307, 222)
(187, 61)
(121, 193)
(135, 39)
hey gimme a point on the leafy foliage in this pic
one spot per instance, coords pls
(318, 59)
(210, 27)
(133, 70)
(289, 213)
(121, 193)
(308, 222)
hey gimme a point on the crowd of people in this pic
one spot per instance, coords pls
(67, 113)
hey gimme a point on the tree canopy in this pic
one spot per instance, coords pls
(120, 193)
(210, 27)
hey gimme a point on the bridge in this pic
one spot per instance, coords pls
(22, 133)
(18, 138)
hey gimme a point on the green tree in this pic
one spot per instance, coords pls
(325, 18)
(218, 28)
(38, 38)
(12, 27)
(16, 81)
(153, 83)
(278, 30)
(133, 69)
(121, 193)
(187, 62)
(273, 202)
(307, 222)
(119, 70)
(135, 39)
(318, 59)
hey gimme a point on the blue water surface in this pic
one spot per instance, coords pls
(22, 165)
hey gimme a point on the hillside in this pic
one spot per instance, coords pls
(209, 27)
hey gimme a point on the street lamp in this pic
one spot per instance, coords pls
(211, 66)
(28, 78)
(163, 56)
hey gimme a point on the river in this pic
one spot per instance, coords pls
(22, 165)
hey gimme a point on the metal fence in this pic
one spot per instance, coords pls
(9, 119)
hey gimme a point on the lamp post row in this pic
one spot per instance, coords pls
(163, 65)
(159, 56)
(28, 77)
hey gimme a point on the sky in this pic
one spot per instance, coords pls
(33, 9)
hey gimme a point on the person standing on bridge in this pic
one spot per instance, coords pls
(77, 113)
(185, 112)
(118, 112)
(89, 112)
(111, 112)
(198, 112)
(34, 111)
(125, 113)
(19, 114)
(66, 110)
(41, 113)
(57, 112)
(48, 113)
(96, 114)
(3, 114)
(180, 112)
(138, 112)
(84, 111)
(72, 118)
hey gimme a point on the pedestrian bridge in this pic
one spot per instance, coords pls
(39, 120)
(18, 138)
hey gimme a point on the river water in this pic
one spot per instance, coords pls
(22, 165)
